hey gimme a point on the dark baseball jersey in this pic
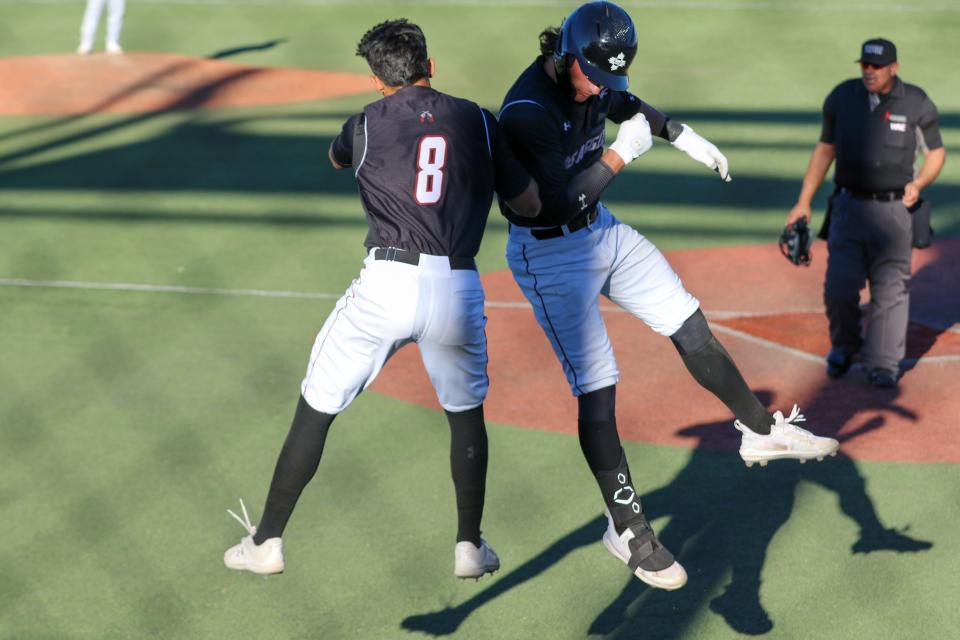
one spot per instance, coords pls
(876, 148)
(428, 170)
(555, 137)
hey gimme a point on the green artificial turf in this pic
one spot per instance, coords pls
(129, 421)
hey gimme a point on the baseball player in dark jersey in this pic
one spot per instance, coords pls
(427, 165)
(575, 250)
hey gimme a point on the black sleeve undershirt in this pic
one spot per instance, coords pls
(342, 146)
(585, 189)
(512, 178)
(625, 105)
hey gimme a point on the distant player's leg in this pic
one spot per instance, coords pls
(366, 327)
(88, 27)
(114, 25)
(454, 351)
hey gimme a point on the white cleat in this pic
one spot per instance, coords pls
(114, 48)
(470, 561)
(84, 48)
(786, 440)
(263, 559)
(670, 578)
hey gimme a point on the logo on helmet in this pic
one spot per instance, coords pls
(617, 62)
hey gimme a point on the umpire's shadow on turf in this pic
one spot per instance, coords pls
(722, 517)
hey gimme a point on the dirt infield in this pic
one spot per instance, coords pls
(768, 315)
(141, 82)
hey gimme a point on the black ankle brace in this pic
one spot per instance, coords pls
(619, 495)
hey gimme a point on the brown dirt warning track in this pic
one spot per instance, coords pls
(768, 314)
(144, 82)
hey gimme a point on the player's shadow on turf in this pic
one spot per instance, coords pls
(226, 53)
(448, 620)
(722, 517)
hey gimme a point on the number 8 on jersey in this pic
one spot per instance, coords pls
(431, 158)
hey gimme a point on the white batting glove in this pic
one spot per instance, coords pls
(702, 150)
(633, 139)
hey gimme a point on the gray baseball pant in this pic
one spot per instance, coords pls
(869, 242)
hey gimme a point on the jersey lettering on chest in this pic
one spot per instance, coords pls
(592, 144)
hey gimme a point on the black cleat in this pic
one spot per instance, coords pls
(883, 378)
(838, 362)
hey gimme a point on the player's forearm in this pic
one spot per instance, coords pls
(585, 188)
(932, 165)
(613, 161)
(820, 162)
(527, 204)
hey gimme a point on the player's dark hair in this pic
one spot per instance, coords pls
(396, 51)
(549, 38)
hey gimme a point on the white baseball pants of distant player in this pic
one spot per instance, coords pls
(91, 18)
(563, 277)
(388, 306)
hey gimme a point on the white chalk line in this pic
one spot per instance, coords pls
(494, 304)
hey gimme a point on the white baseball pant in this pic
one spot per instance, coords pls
(563, 278)
(388, 306)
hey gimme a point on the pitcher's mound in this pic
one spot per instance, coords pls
(139, 82)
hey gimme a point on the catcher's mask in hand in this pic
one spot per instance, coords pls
(795, 243)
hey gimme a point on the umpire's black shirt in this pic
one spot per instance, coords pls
(876, 148)
(428, 167)
(555, 137)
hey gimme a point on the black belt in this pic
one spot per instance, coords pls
(413, 257)
(578, 222)
(879, 196)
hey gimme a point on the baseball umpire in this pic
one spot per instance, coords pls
(575, 250)
(427, 165)
(873, 126)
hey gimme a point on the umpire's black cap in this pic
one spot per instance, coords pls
(879, 52)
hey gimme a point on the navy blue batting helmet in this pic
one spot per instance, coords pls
(601, 36)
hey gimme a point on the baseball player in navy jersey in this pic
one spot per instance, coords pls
(575, 250)
(427, 165)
